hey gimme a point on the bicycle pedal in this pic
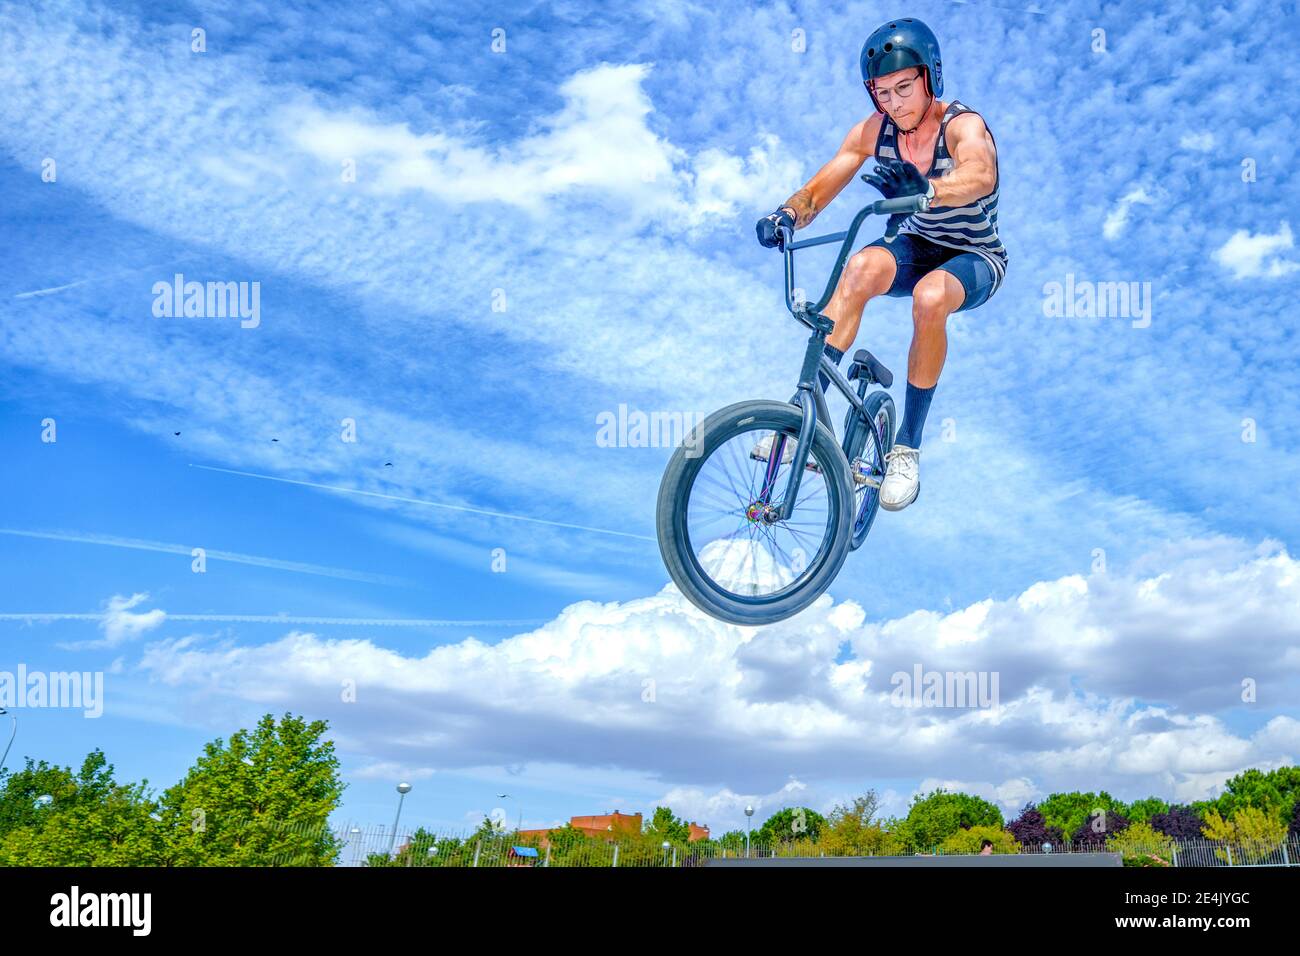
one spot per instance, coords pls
(869, 479)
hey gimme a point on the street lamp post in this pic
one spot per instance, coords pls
(12, 735)
(354, 835)
(403, 789)
(749, 814)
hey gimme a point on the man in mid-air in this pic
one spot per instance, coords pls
(948, 259)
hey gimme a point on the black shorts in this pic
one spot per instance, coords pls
(916, 256)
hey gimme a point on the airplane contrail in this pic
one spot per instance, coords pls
(290, 619)
(163, 547)
(51, 289)
(431, 504)
(110, 275)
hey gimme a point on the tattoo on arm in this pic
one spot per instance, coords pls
(803, 207)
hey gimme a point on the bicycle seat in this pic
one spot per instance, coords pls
(866, 365)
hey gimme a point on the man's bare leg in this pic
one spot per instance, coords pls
(867, 274)
(936, 296)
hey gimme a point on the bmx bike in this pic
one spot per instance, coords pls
(730, 496)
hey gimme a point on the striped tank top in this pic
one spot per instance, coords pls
(970, 228)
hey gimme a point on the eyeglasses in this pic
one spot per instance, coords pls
(903, 90)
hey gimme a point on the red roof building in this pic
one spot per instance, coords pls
(610, 826)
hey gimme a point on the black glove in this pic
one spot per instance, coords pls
(767, 227)
(895, 178)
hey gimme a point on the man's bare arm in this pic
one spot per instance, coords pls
(835, 175)
(976, 168)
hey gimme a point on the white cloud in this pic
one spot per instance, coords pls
(392, 770)
(120, 624)
(653, 686)
(1251, 256)
(712, 808)
(1118, 217)
(1200, 142)
(600, 144)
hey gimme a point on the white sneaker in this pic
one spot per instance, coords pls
(763, 451)
(902, 478)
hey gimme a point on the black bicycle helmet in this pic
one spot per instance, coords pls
(896, 45)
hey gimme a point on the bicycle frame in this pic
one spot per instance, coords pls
(815, 359)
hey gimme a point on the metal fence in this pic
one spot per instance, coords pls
(382, 846)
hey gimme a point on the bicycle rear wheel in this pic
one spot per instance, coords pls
(879, 409)
(718, 525)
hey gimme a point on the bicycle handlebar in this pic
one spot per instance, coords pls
(900, 205)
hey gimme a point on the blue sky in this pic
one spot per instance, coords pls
(542, 233)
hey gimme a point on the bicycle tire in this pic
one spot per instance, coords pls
(674, 497)
(872, 405)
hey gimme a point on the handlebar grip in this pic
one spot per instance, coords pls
(903, 204)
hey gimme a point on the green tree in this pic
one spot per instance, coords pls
(428, 849)
(790, 825)
(1069, 811)
(263, 799)
(850, 830)
(971, 840)
(1274, 792)
(572, 847)
(933, 818)
(51, 817)
(1141, 845)
(875, 840)
(1141, 811)
(663, 825)
(489, 829)
(18, 799)
(732, 840)
(1252, 833)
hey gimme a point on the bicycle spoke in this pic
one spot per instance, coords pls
(798, 536)
(735, 507)
(741, 494)
(757, 557)
(788, 561)
(729, 488)
(702, 522)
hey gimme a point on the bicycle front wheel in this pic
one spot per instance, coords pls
(718, 517)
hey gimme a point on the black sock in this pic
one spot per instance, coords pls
(914, 412)
(835, 356)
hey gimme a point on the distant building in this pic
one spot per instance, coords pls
(609, 826)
